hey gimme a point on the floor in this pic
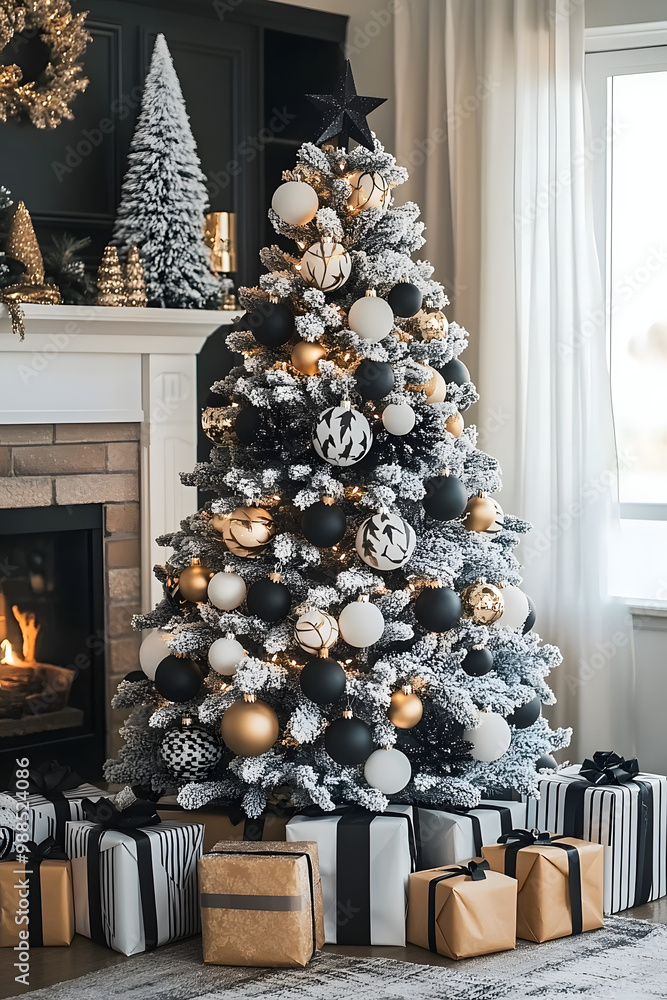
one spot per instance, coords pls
(54, 965)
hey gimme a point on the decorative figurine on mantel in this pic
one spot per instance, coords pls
(110, 283)
(22, 245)
(135, 286)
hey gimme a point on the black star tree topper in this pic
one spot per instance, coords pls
(344, 112)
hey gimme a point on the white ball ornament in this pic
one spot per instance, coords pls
(515, 608)
(152, 651)
(385, 541)
(369, 190)
(371, 318)
(499, 520)
(342, 435)
(225, 655)
(316, 630)
(398, 418)
(388, 770)
(295, 202)
(326, 265)
(490, 739)
(361, 623)
(226, 590)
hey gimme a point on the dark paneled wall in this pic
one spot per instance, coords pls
(243, 67)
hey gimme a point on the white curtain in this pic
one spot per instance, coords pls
(492, 123)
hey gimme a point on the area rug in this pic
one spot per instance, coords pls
(626, 960)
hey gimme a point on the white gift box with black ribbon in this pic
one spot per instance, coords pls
(135, 889)
(365, 861)
(446, 836)
(49, 816)
(628, 819)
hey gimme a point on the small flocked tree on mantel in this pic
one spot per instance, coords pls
(164, 197)
(344, 621)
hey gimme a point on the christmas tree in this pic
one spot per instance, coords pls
(344, 621)
(110, 283)
(163, 198)
(135, 286)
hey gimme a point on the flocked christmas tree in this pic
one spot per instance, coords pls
(334, 629)
(164, 198)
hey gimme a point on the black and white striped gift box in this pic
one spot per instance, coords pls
(135, 890)
(49, 816)
(630, 823)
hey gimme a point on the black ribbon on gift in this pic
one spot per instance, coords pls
(506, 823)
(353, 868)
(516, 840)
(476, 870)
(106, 816)
(32, 856)
(607, 768)
(50, 780)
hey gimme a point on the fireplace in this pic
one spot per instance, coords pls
(52, 637)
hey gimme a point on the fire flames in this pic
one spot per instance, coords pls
(8, 655)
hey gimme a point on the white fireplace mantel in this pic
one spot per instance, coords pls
(98, 364)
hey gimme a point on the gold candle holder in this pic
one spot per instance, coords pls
(220, 238)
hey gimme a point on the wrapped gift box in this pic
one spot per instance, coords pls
(54, 797)
(365, 860)
(560, 882)
(135, 887)
(462, 911)
(261, 904)
(449, 836)
(629, 820)
(228, 824)
(36, 905)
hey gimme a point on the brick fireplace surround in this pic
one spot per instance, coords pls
(68, 464)
(99, 406)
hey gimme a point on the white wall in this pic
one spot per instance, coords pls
(370, 49)
(604, 12)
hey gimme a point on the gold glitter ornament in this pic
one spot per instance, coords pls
(482, 602)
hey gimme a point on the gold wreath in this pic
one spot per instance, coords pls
(46, 101)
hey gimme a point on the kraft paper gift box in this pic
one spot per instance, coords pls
(53, 796)
(447, 836)
(609, 801)
(228, 824)
(462, 911)
(134, 877)
(559, 882)
(36, 906)
(365, 860)
(261, 904)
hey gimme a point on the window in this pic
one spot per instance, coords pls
(628, 95)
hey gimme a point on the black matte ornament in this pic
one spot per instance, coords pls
(269, 599)
(478, 662)
(271, 324)
(532, 615)
(344, 112)
(323, 524)
(455, 371)
(525, 715)
(438, 608)
(178, 678)
(247, 424)
(405, 299)
(323, 680)
(546, 761)
(374, 379)
(446, 497)
(135, 675)
(348, 741)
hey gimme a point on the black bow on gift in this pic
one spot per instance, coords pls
(526, 838)
(476, 870)
(47, 850)
(51, 779)
(609, 768)
(105, 813)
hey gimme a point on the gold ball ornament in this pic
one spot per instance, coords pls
(193, 581)
(431, 324)
(482, 602)
(305, 357)
(247, 531)
(406, 708)
(433, 385)
(217, 424)
(479, 513)
(249, 727)
(454, 424)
